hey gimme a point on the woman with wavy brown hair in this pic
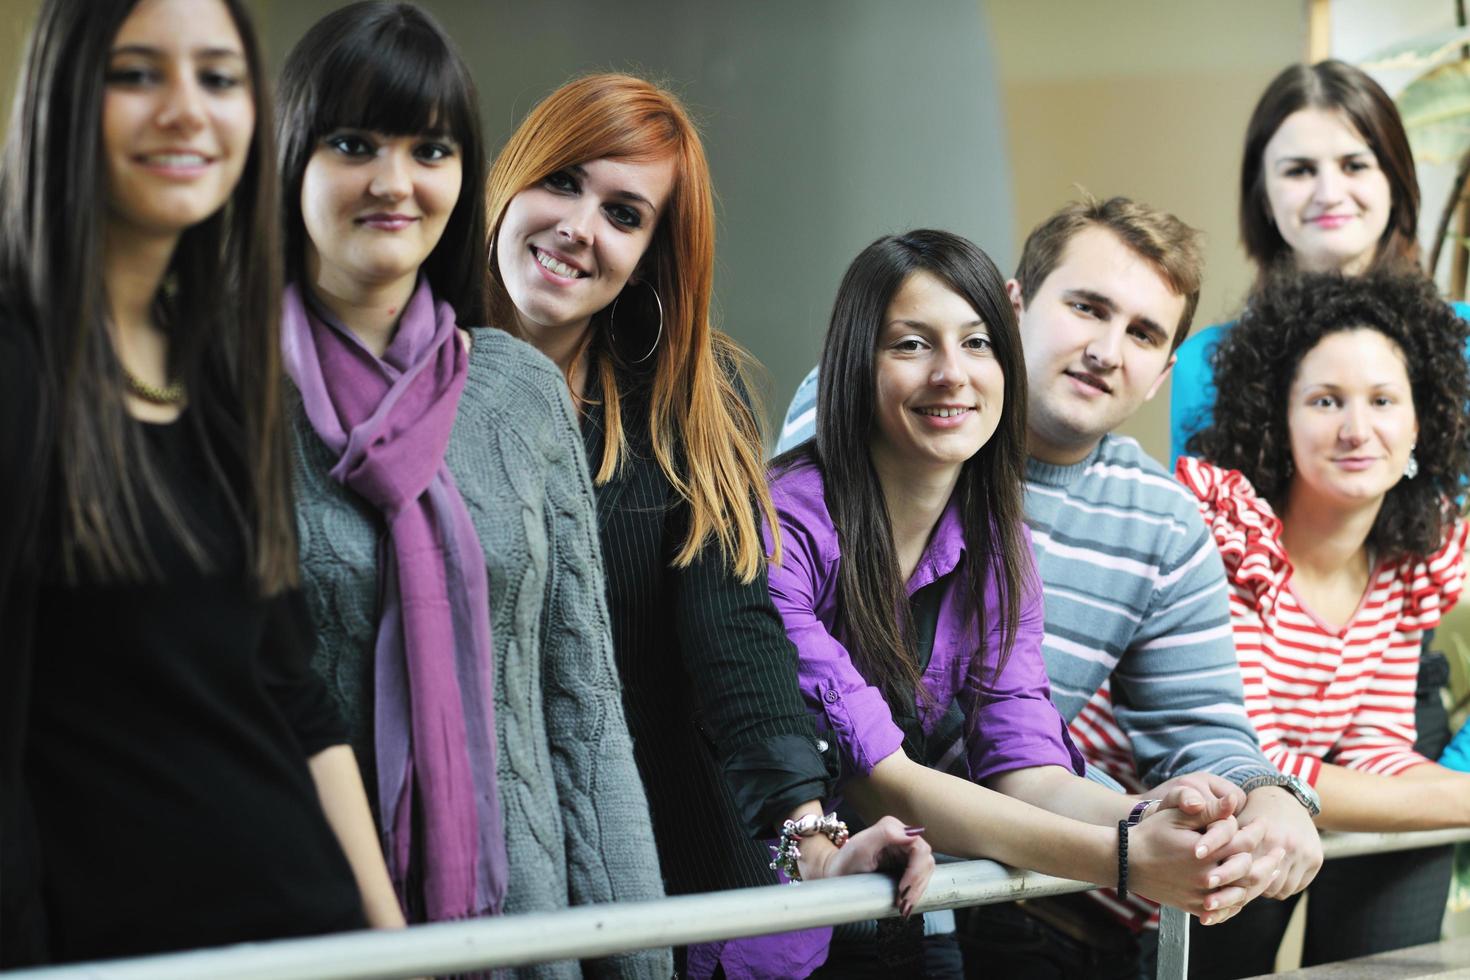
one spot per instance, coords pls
(1339, 443)
(602, 255)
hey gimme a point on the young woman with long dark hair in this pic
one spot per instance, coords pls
(1327, 184)
(449, 546)
(907, 585)
(169, 753)
(602, 255)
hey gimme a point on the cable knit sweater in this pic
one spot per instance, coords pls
(576, 819)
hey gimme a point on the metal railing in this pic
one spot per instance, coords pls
(591, 931)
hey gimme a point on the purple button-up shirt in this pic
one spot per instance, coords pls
(1010, 721)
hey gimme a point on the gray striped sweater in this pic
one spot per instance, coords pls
(1137, 613)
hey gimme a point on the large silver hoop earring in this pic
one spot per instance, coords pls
(612, 316)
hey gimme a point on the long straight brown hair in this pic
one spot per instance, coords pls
(872, 595)
(219, 303)
(698, 413)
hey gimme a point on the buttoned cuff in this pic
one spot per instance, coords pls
(772, 776)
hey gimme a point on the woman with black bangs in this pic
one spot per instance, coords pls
(1339, 441)
(168, 753)
(449, 544)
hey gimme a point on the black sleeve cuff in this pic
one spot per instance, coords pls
(301, 695)
(771, 777)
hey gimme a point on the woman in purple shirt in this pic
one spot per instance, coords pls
(917, 465)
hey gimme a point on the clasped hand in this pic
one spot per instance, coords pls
(1193, 853)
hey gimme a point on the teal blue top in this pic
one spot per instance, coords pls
(1192, 393)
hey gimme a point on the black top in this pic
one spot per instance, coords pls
(165, 748)
(924, 609)
(22, 916)
(709, 679)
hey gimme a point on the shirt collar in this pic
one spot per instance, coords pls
(945, 550)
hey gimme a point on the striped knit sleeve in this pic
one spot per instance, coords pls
(1177, 694)
(800, 423)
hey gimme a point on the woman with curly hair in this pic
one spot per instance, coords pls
(1339, 441)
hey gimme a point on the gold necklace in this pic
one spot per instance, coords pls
(169, 394)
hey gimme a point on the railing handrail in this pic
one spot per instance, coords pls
(591, 931)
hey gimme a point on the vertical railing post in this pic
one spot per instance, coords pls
(1173, 944)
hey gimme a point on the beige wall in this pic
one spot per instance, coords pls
(1145, 99)
(15, 22)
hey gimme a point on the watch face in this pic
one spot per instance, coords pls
(1305, 793)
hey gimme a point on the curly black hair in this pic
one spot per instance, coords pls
(1255, 364)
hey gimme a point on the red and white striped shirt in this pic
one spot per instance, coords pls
(1315, 693)
(1318, 693)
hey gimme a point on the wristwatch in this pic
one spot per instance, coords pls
(1295, 785)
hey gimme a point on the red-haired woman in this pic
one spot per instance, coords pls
(602, 256)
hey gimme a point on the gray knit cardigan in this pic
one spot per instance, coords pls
(576, 819)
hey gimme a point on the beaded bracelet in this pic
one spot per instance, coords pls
(788, 850)
(1122, 859)
(1134, 816)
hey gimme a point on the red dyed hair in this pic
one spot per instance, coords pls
(696, 404)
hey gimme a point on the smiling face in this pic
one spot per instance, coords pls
(1327, 195)
(374, 206)
(177, 117)
(1097, 336)
(939, 387)
(569, 244)
(1350, 413)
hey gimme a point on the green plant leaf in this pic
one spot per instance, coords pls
(1436, 112)
(1417, 53)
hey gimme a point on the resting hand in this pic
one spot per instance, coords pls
(886, 846)
(1290, 838)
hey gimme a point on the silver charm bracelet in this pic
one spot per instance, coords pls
(788, 849)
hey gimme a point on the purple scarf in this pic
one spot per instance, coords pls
(389, 420)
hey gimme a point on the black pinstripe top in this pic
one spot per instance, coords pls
(709, 679)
